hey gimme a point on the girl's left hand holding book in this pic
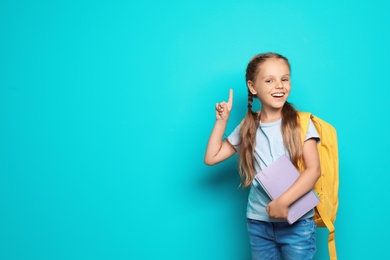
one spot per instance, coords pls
(277, 209)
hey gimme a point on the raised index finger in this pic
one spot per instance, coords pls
(230, 100)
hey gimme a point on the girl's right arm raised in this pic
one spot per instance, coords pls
(218, 150)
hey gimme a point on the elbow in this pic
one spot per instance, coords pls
(208, 161)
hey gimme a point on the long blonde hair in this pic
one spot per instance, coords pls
(290, 125)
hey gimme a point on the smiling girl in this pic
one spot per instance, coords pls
(262, 138)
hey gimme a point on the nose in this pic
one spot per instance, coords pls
(279, 85)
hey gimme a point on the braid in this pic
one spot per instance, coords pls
(250, 100)
(248, 142)
(291, 132)
(250, 111)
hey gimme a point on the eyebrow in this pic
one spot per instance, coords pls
(284, 75)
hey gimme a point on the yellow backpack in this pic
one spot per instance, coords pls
(328, 184)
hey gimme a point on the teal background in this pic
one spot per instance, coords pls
(106, 108)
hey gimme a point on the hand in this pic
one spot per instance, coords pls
(222, 110)
(277, 209)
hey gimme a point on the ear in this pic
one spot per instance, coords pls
(251, 87)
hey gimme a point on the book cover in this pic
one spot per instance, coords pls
(277, 178)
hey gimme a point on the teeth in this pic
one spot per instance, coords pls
(278, 95)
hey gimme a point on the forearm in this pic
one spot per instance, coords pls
(214, 144)
(218, 150)
(302, 185)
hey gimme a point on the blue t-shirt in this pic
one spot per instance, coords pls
(269, 147)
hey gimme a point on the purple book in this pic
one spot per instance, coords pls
(277, 178)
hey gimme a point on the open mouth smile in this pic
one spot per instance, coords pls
(278, 95)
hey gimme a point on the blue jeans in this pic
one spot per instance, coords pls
(272, 240)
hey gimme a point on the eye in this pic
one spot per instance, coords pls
(285, 79)
(268, 80)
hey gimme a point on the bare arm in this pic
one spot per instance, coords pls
(306, 181)
(218, 150)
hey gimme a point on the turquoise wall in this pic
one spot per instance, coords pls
(106, 108)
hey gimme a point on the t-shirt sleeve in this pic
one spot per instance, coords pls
(234, 138)
(312, 132)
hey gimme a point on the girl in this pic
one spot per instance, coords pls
(260, 139)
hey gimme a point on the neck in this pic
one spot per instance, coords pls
(269, 116)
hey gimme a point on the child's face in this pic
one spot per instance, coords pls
(272, 83)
